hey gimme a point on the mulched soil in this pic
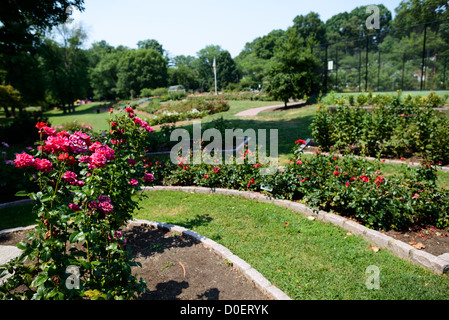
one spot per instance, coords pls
(431, 239)
(177, 267)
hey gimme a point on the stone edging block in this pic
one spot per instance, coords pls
(397, 247)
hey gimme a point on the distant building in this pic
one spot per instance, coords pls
(177, 88)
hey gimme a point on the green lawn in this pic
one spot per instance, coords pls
(17, 216)
(306, 259)
(83, 114)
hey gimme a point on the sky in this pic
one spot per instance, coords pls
(185, 27)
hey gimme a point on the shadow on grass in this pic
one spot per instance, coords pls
(94, 109)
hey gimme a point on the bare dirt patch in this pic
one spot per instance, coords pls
(177, 267)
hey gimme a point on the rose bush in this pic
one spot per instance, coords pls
(86, 189)
(357, 188)
(393, 127)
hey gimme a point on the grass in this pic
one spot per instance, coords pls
(306, 259)
(17, 216)
(83, 114)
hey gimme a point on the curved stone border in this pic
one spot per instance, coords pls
(397, 247)
(16, 203)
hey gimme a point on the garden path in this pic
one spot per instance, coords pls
(255, 111)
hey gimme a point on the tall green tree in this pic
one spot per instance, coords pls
(204, 62)
(67, 67)
(140, 69)
(151, 44)
(412, 12)
(22, 25)
(291, 72)
(253, 59)
(104, 60)
(350, 25)
(227, 71)
(310, 26)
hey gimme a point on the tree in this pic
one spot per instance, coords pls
(150, 44)
(22, 24)
(9, 97)
(290, 74)
(311, 26)
(139, 69)
(104, 60)
(227, 71)
(67, 65)
(254, 57)
(205, 59)
(346, 25)
(184, 75)
(412, 12)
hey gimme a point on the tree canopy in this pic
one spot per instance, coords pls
(51, 70)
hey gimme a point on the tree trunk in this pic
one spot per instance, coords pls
(7, 114)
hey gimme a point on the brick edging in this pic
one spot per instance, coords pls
(397, 247)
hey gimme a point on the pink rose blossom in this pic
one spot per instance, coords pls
(105, 207)
(74, 207)
(148, 177)
(70, 177)
(24, 160)
(42, 165)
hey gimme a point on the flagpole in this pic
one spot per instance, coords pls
(215, 76)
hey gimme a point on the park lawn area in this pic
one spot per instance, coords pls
(17, 216)
(86, 113)
(306, 259)
(292, 123)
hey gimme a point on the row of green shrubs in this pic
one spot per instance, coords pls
(347, 185)
(369, 99)
(400, 128)
(236, 96)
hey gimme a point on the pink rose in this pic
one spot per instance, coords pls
(42, 165)
(74, 207)
(148, 177)
(24, 160)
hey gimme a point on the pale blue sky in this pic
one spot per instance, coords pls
(184, 27)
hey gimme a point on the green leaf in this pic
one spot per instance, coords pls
(73, 237)
(40, 279)
(21, 193)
